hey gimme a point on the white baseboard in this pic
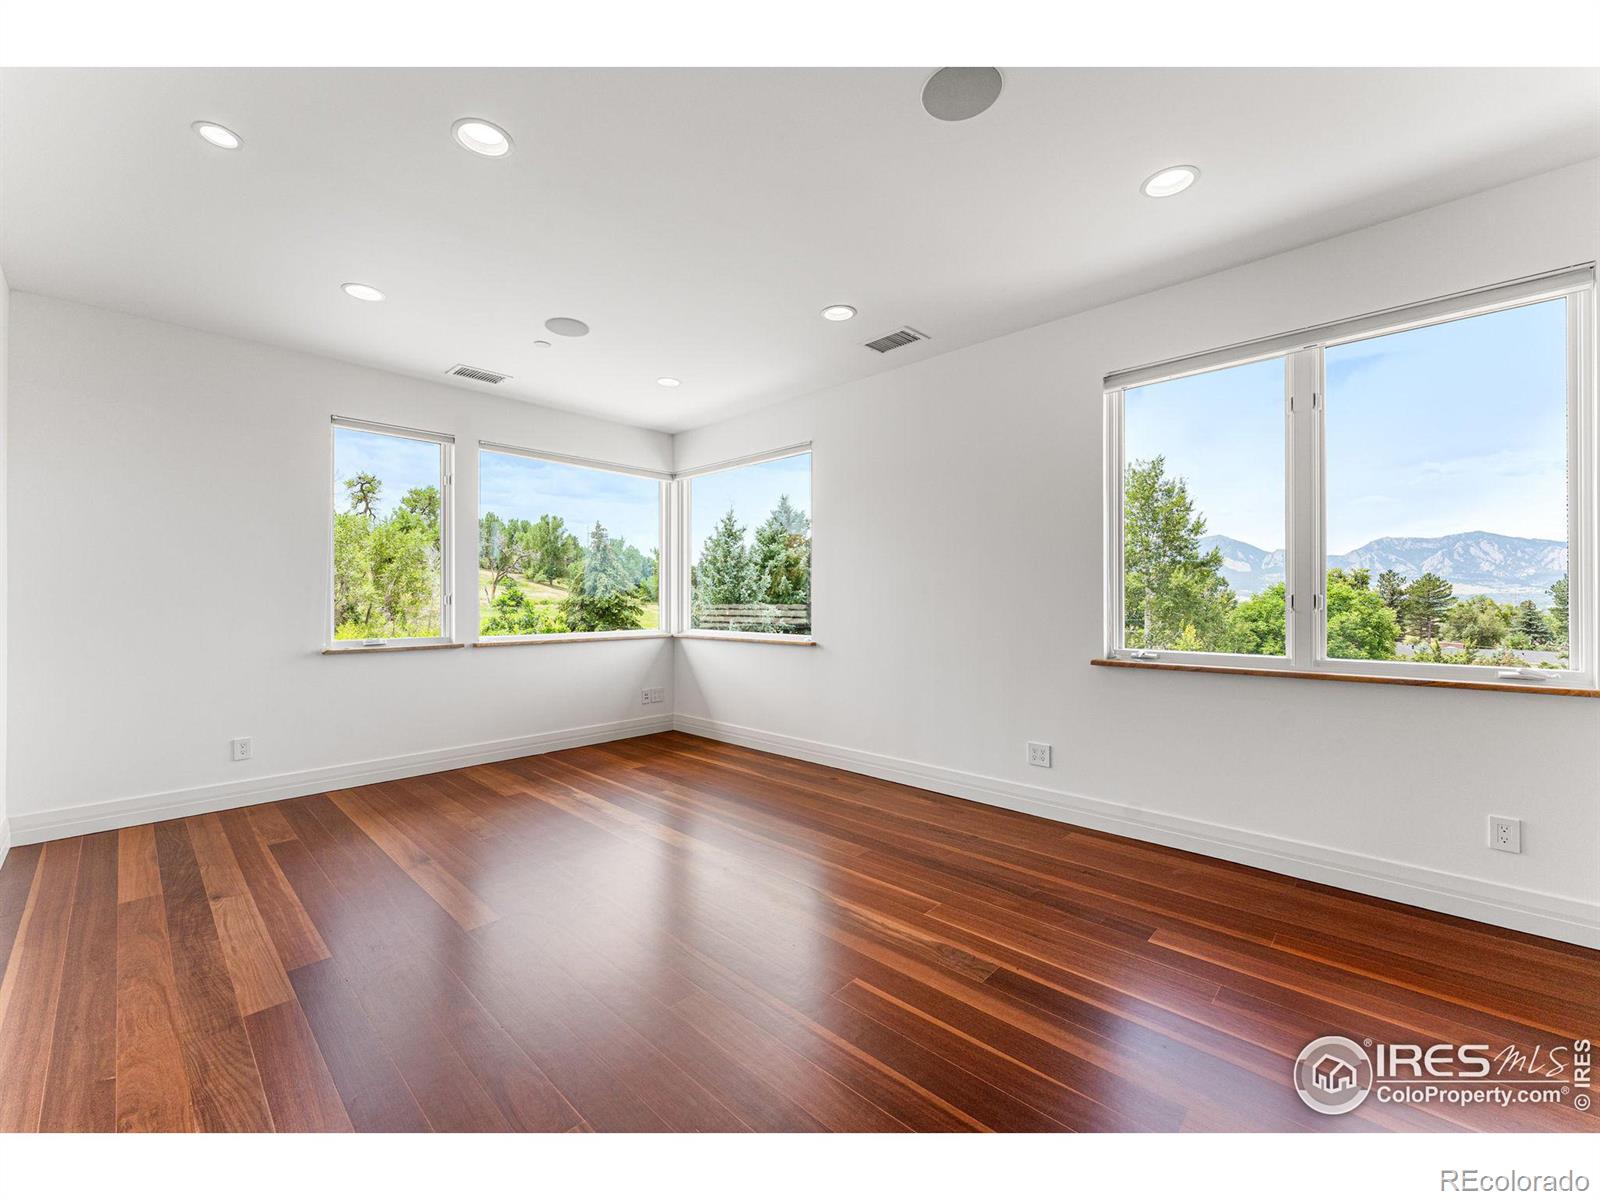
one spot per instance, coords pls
(5, 839)
(1542, 913)
(27, 828)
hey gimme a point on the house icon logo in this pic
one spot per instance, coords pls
(1333, 1075)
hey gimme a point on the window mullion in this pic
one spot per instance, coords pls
(1304, 519)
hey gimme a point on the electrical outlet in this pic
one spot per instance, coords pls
(1038, 754)
(242, 749)
(1505, 833)
(653, 695)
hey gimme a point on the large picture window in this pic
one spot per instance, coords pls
(1409, 494)
(749, 547)
(565, 547)
(391, 504)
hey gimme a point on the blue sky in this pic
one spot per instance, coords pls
(1433, 431)
(399, 463)
(629, 506)
(753, 492)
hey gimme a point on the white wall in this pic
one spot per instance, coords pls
(5, 442)
(958, 552)
(169, 497)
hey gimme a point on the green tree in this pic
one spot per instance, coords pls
(725, 573)
(601, 595)
(1477, 623)
(500, 552)
(1256, 625)
(1359, 578)
(363, 490)
(1360, 624)
(424, 504)
(1427, 600)
(1392, 591)
(1558, 611)
(512, 612)
(1531, 624)
(782, 556)
(1171, 591)
(553, 551)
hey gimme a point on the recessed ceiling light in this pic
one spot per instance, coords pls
(481, 137)
(961, 93)
(838, 312)
(566, 326)
(219, 136)
(362, 291)
(1170, 181)
(668, 382)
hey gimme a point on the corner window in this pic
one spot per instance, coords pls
(1409, 495)
(566, 547)
(390, 535)
(749, 547)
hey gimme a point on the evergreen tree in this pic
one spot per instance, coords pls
(600, 595)
(725, 572)
(1426, 602)
(1169, 585)
(782, 556)
(1558, 611)
(1392, 591)
(1531, 624)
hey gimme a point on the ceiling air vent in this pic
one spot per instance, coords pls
(465, 372)
(893, 341)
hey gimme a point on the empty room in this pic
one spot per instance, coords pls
(655, 594)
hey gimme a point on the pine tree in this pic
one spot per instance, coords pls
(782, 556)
(1558, 611)
(1392, 591)
(1531, 624)
(600, 596)
(1426, 602)
(725, 572)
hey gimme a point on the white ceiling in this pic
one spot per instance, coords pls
(699, 219)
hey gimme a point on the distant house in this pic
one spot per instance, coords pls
(1333, 1074)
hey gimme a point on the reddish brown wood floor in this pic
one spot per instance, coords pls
(673, 934)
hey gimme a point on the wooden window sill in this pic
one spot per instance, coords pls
(393, 649)
(1545, 689)
(562, 639)
(771, 639)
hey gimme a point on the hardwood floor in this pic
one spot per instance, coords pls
(670, 933)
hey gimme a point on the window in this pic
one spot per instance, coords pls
(391, 508)
(566, 547)
(749, 547)
(1401, 495)
(1203, 511)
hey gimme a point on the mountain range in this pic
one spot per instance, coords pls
(1508, 569)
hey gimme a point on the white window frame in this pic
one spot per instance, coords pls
(1305, 514)
(663, 529)
(447, 445)
(683, 548)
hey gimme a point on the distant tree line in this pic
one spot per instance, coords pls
(607, 581)
(1175, 597)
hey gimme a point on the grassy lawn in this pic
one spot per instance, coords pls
(543, 594)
